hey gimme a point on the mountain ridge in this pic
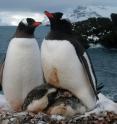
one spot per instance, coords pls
(81, 13)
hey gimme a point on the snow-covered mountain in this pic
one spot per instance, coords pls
(83, 12)
(74, 14)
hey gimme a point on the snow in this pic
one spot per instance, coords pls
(92, 37)
(77, 13)
(84, 12)
(57, 117)
(3, 103)
(103, 104)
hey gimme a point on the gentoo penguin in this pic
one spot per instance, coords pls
(51, 100)
(65, 62)
(39, 98)
(22, 69)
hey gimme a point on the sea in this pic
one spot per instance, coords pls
(104, 60)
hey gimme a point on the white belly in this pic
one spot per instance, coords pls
(59, 60)
(22, 70)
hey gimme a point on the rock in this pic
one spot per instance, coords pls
(27, 118)
(95, 31)
(115, 98)
(15, 118)
(114, 19)
(102, 118)
(41, 118)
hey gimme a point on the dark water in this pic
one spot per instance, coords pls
(104, 60)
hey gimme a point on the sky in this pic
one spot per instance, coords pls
(40, 5)
(11, 11)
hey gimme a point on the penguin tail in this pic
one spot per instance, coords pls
(99, 87)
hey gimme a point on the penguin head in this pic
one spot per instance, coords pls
(57, 23)
(27, 26)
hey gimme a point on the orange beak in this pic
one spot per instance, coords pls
(48, 14)
(36, 24)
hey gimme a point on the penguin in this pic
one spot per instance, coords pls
(53, 101)
(65, 62)
(39, 98)
(66, 107)
(22, 67)
(65, 104)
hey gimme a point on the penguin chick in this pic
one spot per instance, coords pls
(39, 98)
(67, 106)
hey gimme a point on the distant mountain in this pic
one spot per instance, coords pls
(78, 13)
(84, 12)
(94, 26)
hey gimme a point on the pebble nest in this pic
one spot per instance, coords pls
(41, 118)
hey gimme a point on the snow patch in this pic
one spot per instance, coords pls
(84, 12)
(3, 103)
(104, 104)
(57, 117)
(92, 37)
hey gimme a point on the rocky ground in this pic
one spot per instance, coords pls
(99, 30)
(41, 118)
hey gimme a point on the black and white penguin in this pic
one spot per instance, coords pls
(65, 104)
(65, 62)
(22, 69)
(52, 101)
(39, 98)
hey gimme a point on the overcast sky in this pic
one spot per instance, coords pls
(12, 11)
(53, 5)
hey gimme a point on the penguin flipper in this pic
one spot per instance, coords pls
(38, 97)
(2, 60)
(85, 65)
(80, 52)
(37, 93)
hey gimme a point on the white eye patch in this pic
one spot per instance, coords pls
(24, 21)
